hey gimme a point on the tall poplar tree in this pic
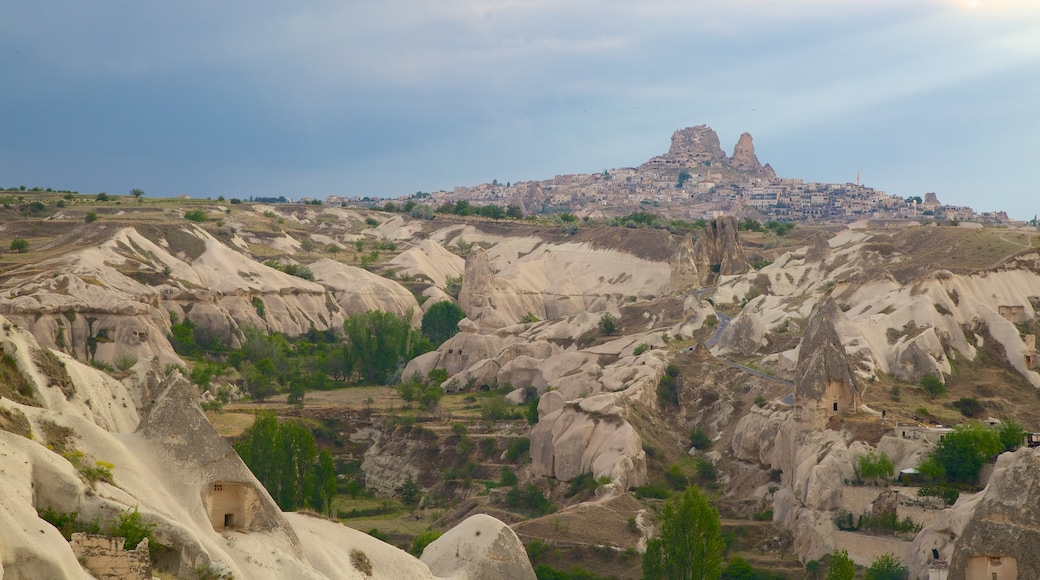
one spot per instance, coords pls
(690, 546)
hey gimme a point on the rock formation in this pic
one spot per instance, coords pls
(589, 436)
(744, 159)
(718, 252)
(479, 548)
(824, 381)
(692, 146)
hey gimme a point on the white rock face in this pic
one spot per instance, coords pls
(479, 548)
(357, 290)
(904, 330)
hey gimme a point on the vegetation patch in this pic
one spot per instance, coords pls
(15, 421)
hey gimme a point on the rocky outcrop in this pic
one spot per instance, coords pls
(479, 548)
(357, 290)
(718, 251)
(693, 146)
(744, 335)
(744, 159)
(824, 381)
(590, 436)
(486, 299)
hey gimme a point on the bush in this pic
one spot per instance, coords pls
(643, 347)
(517, 448)
(530, 500)
(699, 439)
(652, 491)
(19, 245)
(948, 494)
(886, 567)
(1012, 435)
(969, 407)
(608, 324)
(195, 215)
(90, 217)
(132, 526)
(424, 539)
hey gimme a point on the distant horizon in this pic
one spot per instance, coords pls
(319, 98)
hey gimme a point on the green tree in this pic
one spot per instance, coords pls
(842, 567)
(284, 457)
(960, 455)
(19, 245)
(137, 193)
(324, 488)
(886, 567)
(90, 217)
(933, 386)
(259, 379)
(874, 465)
(1012, 434)
(380, 341)
(690, 545)
(441, 321)
(409, 492)
(608, 324)
(684, 176)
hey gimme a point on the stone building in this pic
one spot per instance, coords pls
(106, 559)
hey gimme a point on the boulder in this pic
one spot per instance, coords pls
(479, 548)
(744, 335)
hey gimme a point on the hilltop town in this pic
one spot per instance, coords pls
(695, 180)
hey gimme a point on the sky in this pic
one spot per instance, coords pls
(347, 97)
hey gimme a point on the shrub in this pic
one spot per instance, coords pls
(132, 526)
(360, 561)
(530, 500)
(508, 477)
(195, 215)
(643, 347)
(1012, 434)
(125, 362)
(422, 540)
(608, 324)
(517, 448)
(886, 567)
(699, 439)
(19, 245)
(969, 407)
(90, 217)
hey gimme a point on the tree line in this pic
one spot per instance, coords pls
(372, 348)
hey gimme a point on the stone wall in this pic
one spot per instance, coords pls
(106, 559)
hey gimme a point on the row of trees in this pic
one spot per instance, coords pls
(372, 349)
(285, 458)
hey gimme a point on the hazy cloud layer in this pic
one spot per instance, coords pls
(386, 98)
